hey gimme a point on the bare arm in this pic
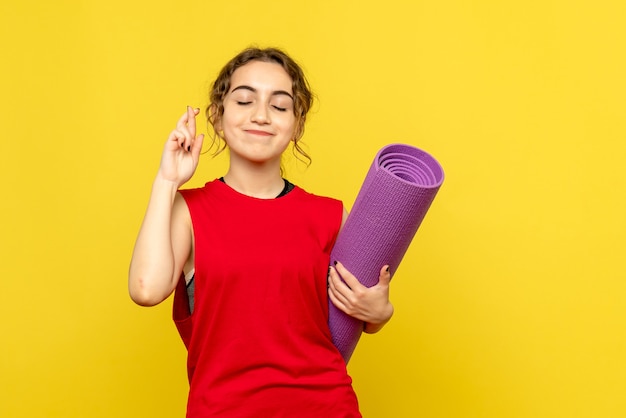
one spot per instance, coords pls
(162, 247)
(164, 242)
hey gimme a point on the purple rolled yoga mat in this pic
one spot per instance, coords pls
(394, 198)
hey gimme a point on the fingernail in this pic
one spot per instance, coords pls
(335, 262)
(387, 269)
(188, 147)
(182, 145)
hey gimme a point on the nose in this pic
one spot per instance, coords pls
(261, 115)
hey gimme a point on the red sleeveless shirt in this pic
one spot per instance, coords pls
(258, 339)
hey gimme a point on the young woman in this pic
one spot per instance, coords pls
(255, 248)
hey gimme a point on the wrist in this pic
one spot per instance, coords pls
(164, 181)
(374, 327)
(162, 185)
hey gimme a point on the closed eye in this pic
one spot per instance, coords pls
(243, 103)
(280, 109)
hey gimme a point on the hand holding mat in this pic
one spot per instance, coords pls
(394, 198)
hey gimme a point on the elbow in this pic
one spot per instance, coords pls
(143, 295)
(143, 300)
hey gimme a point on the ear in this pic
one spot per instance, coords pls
(217, 120)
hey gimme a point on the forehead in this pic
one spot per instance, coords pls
(262, 76)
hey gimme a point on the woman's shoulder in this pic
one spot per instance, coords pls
(324, 212)
(194, 192)
(320, 206)
(318, 199)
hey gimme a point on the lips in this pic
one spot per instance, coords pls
(258, 132)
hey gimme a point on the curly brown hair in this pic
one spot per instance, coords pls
(303, 97)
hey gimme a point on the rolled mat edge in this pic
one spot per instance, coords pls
(393, 200)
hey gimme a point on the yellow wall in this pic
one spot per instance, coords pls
(510, 303)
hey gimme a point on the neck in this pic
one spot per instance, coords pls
(262, 181)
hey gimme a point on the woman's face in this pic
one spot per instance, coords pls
(258, 120)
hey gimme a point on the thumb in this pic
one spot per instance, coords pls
(385, 276)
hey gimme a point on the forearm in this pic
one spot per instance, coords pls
(152, 265)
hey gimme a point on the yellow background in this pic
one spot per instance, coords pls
(510, 302)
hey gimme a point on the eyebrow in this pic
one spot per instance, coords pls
(252, 89)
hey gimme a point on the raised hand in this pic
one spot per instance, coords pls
(370, 305)
(182, 150)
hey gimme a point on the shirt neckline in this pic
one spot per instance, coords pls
(221, 185)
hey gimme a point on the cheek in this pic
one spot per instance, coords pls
(228, 119)
(289, 124)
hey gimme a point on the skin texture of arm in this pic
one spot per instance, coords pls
(157, 262)
(165, 241)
